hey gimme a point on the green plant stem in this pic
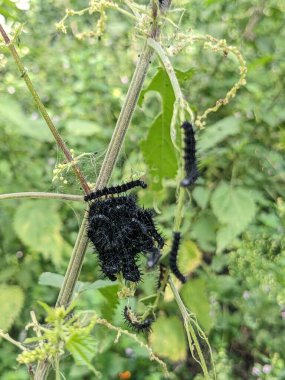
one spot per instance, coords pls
(57, 370)
(76, 260)
(179, 209)
(43, 110)
(167, 65)
(136, 339)
(11, 340)
(124, 117)
(191, 335)
(106, 171)
(42, 195)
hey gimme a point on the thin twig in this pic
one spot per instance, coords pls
(191, 335)
(135, 338)
(11, 340)
(43, 110)
(42, 195)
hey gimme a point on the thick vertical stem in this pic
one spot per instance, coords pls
(125, 117)
(111, 156)
(127, 111)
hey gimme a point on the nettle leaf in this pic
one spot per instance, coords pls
(17, 122)
(157, 148)
(110, 294)
(11, 301)
(83, 349)
(168, 338)
(195, 296)
(214, 134)
(38, 224)
(204, 231)
(201, 196)
(235, 208)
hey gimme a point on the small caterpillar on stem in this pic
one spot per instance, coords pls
(190, 161)
(115, 189)
(173, 257)
(133, 321)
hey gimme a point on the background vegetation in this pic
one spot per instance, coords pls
(234, 251)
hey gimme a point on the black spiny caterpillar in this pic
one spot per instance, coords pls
(173, 254)
(120, 230)
(115, 189)
(162, 280)
(164, 5)
(135, 323)
(190, 162)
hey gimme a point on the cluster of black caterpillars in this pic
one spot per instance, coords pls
(121, 230)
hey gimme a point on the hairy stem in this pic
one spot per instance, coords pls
(191, 334)
(42, 195)
(43, 110)
(76, 260)
(124, 117)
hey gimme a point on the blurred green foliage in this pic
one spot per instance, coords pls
(235, 217)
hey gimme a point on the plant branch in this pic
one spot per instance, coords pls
(191, 334)
(135, 338)
(109, 162)
(11, 340)
(43, 110)
(168, 67)
(42, 195)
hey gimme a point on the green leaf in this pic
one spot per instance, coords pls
(110, 294)
(56, 280)
(46, 307)
(168, 338)
(37, 224)
(9, 10)
(214, 134)
(99, 284)
(149, 299)
(201, 196)
(83, 350)
(235, 208)
(11, 301)
(189, 256)
(225, 236)
(203, 230)
(157, 149)
(16, 121)
(51, 279)
(195, 297)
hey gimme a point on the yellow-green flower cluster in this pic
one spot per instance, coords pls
(46, 351)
